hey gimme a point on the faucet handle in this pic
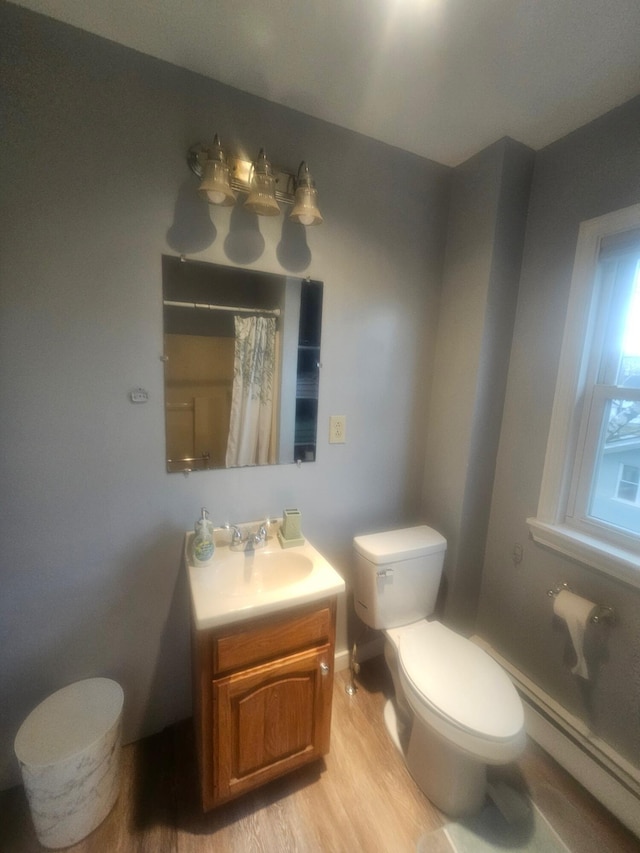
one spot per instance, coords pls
(236, 533)
(263, 530)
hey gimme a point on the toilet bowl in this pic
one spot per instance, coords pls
(455, 709)
(456, 688)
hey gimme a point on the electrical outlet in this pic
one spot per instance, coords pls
(337, 429)
(139, 395)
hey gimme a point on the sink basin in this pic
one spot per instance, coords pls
(237, 574)
(240, 585)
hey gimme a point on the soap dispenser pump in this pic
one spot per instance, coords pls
(203, 545)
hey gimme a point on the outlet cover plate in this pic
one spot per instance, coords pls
(337, 429)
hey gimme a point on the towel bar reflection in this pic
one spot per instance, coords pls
(603, 612)
(204, 458)
(235, 309)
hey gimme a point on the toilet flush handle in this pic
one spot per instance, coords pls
(384, 573)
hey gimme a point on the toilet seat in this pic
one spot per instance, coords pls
(456, 688)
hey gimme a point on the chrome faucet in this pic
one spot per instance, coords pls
(236, 536)
(249, 542)
(261, 534)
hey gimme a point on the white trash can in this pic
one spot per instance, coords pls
(69, 754)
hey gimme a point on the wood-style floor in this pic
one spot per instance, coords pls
(361, 798)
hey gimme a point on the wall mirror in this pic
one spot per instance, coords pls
(242, 366)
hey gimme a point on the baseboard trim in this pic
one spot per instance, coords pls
(598, 767)
(341, 660)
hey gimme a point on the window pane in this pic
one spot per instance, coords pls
(614, 497)
(629, 371)
(630, 474)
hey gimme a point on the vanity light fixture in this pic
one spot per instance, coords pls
(262, 192)
(305, 205)
(223, 176)
(215, 185)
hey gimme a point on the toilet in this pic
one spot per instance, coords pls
(455, 710)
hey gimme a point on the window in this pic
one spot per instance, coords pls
(589, 504)
(628, 482)
(610, 426)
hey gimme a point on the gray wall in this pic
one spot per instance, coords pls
(94, 188)
(589, 173)
(487, 214)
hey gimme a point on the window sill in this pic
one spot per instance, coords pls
(617, 562)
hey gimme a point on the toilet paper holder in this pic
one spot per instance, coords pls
(603, 612)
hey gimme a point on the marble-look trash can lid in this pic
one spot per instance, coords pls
(69, 721)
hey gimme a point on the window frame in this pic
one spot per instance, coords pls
(559, 522)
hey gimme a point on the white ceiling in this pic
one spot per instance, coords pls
(440, 78)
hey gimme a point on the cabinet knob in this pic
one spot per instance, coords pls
(324, 668)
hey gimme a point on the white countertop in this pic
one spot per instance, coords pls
(238, 586)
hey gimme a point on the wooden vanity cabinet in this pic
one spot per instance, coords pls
(262, 698)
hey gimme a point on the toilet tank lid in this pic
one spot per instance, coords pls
(405, 544)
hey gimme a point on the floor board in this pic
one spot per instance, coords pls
(360, 798)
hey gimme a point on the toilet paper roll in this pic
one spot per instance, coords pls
(576, 612)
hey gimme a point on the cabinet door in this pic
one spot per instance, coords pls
(270, 719)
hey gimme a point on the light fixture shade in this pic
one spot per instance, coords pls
(262, 195)
(305, 204)
(215, 185)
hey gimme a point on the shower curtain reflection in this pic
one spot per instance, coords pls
(253, 427)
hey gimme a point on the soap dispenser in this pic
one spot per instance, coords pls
(203, 545)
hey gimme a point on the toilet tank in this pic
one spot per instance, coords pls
(397, 575)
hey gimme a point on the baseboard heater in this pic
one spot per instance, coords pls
(612, 780)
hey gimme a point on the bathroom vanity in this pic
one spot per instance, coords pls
(263, 642)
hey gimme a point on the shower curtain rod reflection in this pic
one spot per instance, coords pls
(273, 312)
